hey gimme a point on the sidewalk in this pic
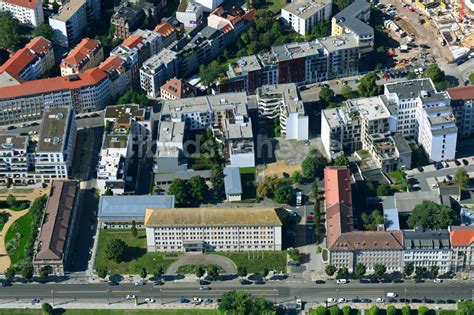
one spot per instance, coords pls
(97, 306)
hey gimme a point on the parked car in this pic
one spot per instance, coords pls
(420, 169)
(204, 282)
(437, 280)
(331, 300)
(204, 288)
(259, 281)
(457, 163)
(465, 162)
(365, 300)
(320, 282)
(364, 280)
(183, 300)
(139, 283)
(445, 164)
(341, 300)
(355, 300)
(149, 300)
(245, 282)
(341, 281)
(391, 295)
(379, 300)
(130, 296)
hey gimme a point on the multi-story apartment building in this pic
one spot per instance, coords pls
(209, 5)
(422, 113)
(83, 92)
(57, 233)
(189, 13)
(225, 114)
(175, 89)
(31, 62)
(119, 74)
(307, 62)
(55, 147)
(14, 161)
(364, 124)
(28, 12)
(282, 102)
(303, 15)
(426, 248)
(129, 16)
(354, 20)
(168, 33)
(368, 248)
(213, 229)
(125, 125)
(462, 246)
(462, 102)
(156, 70)
(87, 54)
(73, 20)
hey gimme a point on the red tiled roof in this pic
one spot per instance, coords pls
(113, 63)
(462, 93)
(462, 237)
(176, 87)
(249, 15)
(369, 240)
(133, 41)
(19, 61)
(39, 45)
(82, 50)
(337, 186)
(30, 4)
(165, 29)
(72, 82)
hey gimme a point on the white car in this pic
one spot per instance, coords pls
(391, 295)
(150, 300)
(197, 301)
(139, 283)
(379, 300)
(130, 296)
(341, 300)
(341, 281)
(331, 300)
(437, 280)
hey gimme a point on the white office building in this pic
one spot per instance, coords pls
(29, 12)
(213, 229)
(189, 13)
(14, 161)
(209, 5)
(157, 70)
(303, 15)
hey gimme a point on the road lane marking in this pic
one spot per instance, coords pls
(68, 292)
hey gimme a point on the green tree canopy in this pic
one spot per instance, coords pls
(134, 229)
(326, 95)
(346, 310)
(268, 187)
(11, 201)
(461, 178)
(406, 310)
(391, 310)
(334, 310)
(422, 310)
(384, 189)
(44, 30)
(284, 194)
(374, 310)
(180, 189)
(198, 189)
(465, 308)
(313, 166)
(47, 309)
(158, 272)
(240, 302)
(360, 270)
(9, 31)
(347, 92)
(368, 85)
(341, 4)
(132, 96)
(102, 272)
(115, 249)
(430, 215)
(297, 177)
(434, 271)
(372, 220)
(143, 273)
(209, 73)
(343, 273)
(27, 271)
(213, 272)
(10, 273)
(217, 180)
(408, 269)
(379, 270)
(434, 73)
(341, 160)
(242, 271)
(330, 270)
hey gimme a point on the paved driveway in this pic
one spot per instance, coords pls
(203, 259)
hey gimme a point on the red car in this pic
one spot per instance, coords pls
(411, 9)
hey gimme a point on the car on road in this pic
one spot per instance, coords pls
(306, 142)
(398, 281)
(34, 301)
(415, 300)
(457, 163)
(365, 300)
(320, 282)
(341, 281)
(183, 300)
(207, 301)
(379, 300)
(149, 300)
(204, 288)
(259, 281)
(196, 301)
(341, 300)
(245, 282)
(355, 300)
(418, 280)
(428, 301)
(465, 162)
(402, 300)
(438, 166)
(449, 301)
(331, 300)
(364, 280)
(391, 295)
(437, 280)
(139, 283)
(159, 282)
(204, 282)
(130, 296)
(392, 301)
(440, 302)
(445, 164)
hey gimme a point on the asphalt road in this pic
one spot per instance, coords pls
(440, 174)
(278, 291)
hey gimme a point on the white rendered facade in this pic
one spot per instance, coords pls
(28, 12)
(209, 5)
(303, 15)
(191, 15)
(14, 160)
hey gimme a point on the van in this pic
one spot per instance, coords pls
(391, 295)
(341, 281)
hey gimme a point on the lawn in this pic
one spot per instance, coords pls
(258, 261)
(59, 311)
(247, 176)
(275, 5)
(137, 256)
(18, 235)
(399, 181)
(471, 78)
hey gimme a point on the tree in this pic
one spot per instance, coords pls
(334, 310)
(360, 270)
(44, 30)
(102, 272)
(9, 31)
(330, 270)
(434, 270)
(180, 189)
(408, 269)
(143, 273)
(134, 229)
(55, 6)
(284, 194)
(133, 96)
(11, 201)
(27, 271)
(264, 20)
(209, 73)
(108, 192)
(10, 274)
(391, 310)
(314, 189)
(326, 95)
(422, 310)
(347, 92)
(346, 310)
(384, 189)
(313, 167)
(341, 160)
(343, 273)
(213, 272)
(320, 310)
(319, 30)
(461, 178)
(198, 188)
(419, 272)
(158, 272)
(465, 308)
(368, 85)
(115, 249)
(374, 310)
(379, 270)
(240, 302)
(242, 271)
(341, 4)
(217, 180)
(47, 309)
(294, 254)
(411, 75)
(200, 271)
(44, 273)
(268, 187)
(297, 177)
(434, 73)
(430, 215)
(372, 220)
(406, 310)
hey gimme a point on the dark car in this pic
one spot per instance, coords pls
(113, 283)
(403, 300)
(415, 300)
(420, 169)
(159, 282)
(457, 163)
(449, 301)
(465, 162)
(184, 300)
(365, 300)
(397, 280)
(392, 300)
(417, 280)
(428, 301)
(320, 282)
(440, 302)
(245, 282)
(204, 282)
(364, 280)
(286, 175)
(438, 165)
(259, 281)
(356, 300)
(386, 281)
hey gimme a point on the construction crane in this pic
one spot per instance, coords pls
(461, 11)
